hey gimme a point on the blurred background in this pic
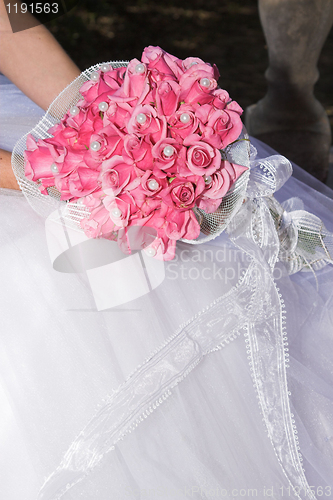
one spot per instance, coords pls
(225, 32)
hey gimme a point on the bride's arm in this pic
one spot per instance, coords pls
(35, 62)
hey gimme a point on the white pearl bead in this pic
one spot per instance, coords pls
(208, 179)
(95, 146)
(150, 251)
(54, 169)
(185, 117)
(116, 213)
(74, 110)
(153, 185)
(168, 151)
(140, 68)
(94, 76)
(105, 68)
(103, 106)
(141, 118)
(205, 82)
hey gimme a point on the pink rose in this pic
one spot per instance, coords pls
(182, 225)
(65, 160)
(182, 193)
(183, 122)
(136, 83)
(147, 194)
(120, 208)
(70, 161)
(199, 93)
(118, 113)
(90, 90)
(138, 151)
(163, 66)
(173, 223)
(151, 185)
(193, 61)
(221, 98)
(110, 143)
(108, 83)
(91, 228)
(39, 157)
(167, 96)
(144, 121)
(219, 185)
(114, 78)
(62, 135)
(202, 159)
(224, 126)
(115, 175)
(93, 109)
(83, 120)
(148, 205)
(74, 132)
(164, 162)
(149, 98)
(80, 182)
(202, 113)
(198, 84)
(214, 192)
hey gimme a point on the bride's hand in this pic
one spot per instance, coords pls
(7, 177)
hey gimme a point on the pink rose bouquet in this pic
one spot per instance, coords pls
(142, 148)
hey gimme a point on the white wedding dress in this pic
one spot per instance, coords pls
(180, 393)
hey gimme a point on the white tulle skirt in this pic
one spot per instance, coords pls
(170, 395)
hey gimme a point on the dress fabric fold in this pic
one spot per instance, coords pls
(215, 384)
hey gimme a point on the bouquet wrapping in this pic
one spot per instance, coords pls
(145, 145)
